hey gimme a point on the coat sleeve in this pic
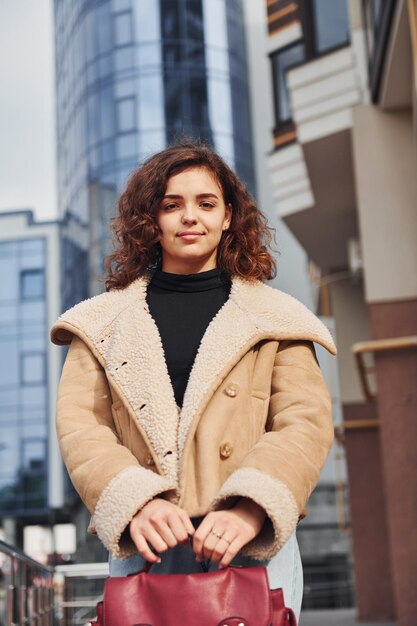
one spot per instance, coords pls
(281, 470)
(108, 477)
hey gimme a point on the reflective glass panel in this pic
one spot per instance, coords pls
(104, 28)
(32, 284)
(121, 5)
(33, 368)
(123, 58)
(9, 362)
(106, 113)
(9, 284)
(151, 102)
(331, 23)
(33, 396)
(123, 28)
(281, 62)
(126, 146)
(34, 453)
(126, 114)
(147, 21)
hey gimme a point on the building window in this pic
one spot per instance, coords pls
(126, 146)
(123, 28)
(378, 18)
(33, 368)
(126, 115)
(32, 284)
(331, 24)
(282, 60)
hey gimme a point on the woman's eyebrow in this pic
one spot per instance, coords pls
(174, 196)
(207, 195)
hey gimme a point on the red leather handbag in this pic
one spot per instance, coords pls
(233, 596)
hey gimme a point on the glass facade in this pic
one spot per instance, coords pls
(23, 378)
(134, 75)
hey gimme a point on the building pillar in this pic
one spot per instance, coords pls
(396, 374)
(374, 594)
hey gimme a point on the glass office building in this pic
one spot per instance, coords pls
(23, 378)
(135, 75)
(43, 272)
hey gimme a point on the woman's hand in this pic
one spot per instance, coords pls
(222, 534)
(160, 524)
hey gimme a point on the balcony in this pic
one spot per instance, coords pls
(323, 92)
(312, 180)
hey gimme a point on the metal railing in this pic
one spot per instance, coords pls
(26, 589)
(78, 588)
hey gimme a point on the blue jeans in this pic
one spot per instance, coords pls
(284, 569)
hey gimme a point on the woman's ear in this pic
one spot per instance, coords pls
(228, 216)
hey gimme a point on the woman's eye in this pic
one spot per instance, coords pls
(172, 205)
(207, 205)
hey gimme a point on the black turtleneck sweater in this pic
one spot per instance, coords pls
(182, 306)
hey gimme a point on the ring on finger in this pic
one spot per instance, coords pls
(229, 541)
(218, 535)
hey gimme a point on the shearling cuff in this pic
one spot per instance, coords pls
(274, 497)
(125, 494)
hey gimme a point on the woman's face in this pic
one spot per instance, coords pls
(191, 218)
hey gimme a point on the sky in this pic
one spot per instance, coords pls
(27, 108)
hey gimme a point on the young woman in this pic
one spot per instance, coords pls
(191, 402)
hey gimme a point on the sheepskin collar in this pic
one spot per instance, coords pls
(119, 329)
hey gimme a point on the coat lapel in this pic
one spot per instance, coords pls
(137, 361)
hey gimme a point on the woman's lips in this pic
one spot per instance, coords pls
(189, 236)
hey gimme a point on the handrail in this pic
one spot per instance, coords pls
(378, 345)
(12, 551)
(28, 584)
(371, 422)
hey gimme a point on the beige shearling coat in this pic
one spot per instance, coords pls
(256, 418)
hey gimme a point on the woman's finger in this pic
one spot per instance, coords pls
(209, 545)
(144, 550)
(154, 538)
(165, 532)
(178, 528)
(220, 550)
(200, 536)
(188, 525)
(231, 552)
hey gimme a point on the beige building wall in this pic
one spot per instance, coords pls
(352, 325)
(385, 163)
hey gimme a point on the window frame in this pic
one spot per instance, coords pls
(29, 353)
(279, 123)
(26, 272)
(380, 33)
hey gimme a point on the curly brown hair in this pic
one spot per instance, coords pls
(243, 249)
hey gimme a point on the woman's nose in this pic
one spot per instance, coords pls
(188, 217)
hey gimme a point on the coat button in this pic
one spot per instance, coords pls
(149, 460)
(231, 390)
(226, 450)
